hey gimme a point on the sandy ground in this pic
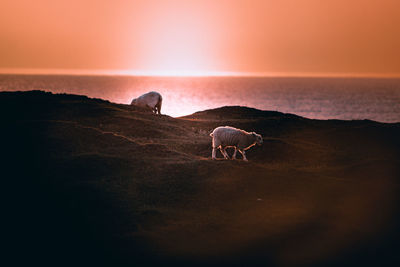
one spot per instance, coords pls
(89, 182)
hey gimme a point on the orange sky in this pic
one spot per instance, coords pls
(202, 37)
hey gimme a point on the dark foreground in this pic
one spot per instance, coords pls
(88, 182)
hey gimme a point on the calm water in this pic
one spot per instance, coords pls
(317, 98)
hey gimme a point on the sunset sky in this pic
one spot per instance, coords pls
(178, 37)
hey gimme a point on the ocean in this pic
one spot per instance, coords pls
(375, 99)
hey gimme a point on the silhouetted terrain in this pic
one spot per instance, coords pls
(87, 182)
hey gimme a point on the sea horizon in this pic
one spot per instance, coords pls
(345, 98)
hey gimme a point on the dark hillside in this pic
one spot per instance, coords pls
(89, 182)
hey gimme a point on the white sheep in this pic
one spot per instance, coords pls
(226, 136)
(151, 100)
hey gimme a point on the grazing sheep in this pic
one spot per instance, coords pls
(226, 136)
(152, 100)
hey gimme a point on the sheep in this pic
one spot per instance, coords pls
(151, 100)
(226, 136)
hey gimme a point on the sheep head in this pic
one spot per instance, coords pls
(258, 138)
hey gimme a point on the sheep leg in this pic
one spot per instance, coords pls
(226, 154)
(214, 153)
(243, 154)
(159, 108)
(234, 154)
(223, 152)
(215, 145)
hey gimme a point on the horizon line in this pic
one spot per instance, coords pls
(95, 72)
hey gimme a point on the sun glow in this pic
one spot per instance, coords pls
(178, 73)
(177, 41)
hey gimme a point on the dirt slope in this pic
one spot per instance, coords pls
(92, 182)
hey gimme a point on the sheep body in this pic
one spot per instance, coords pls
(226, 136)
(151, 100)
